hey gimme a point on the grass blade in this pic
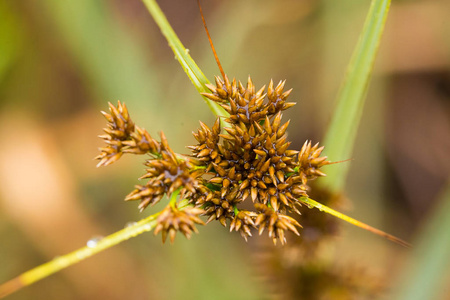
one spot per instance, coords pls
(323, 208)
(187, 63)
(11, 35)
(111, 59)
(341, 133)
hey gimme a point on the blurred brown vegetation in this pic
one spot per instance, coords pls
(61, 62)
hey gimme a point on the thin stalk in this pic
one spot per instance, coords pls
(311, 203)
(182, 55)
(62, 262)
(340, 136)
(174, 197)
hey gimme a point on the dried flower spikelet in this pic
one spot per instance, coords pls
(166, 174)
(310, 161)
(141, 143)
(245, 103)
(122, 136)
(242, 222)
(216, 208)
(171, 220)
(275, 223)
(119, 128)
(207, 150)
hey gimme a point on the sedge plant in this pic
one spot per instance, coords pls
(244, 156)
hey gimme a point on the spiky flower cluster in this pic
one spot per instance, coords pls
(122, 136)
(166, 174)
(250, 159)
(173, 219)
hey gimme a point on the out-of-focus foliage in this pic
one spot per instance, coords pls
(11, 36)
(426, 275)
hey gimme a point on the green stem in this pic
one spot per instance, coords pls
(311, 203)
(182, 55)
(174, 198)
(76, 256)
(236, 210)
(340, 136)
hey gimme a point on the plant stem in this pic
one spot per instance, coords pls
(76, 256)
(311, 203)
(340, 136)
(174, 197)
(182, 55)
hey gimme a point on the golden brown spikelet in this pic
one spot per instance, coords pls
(242, 222)
(172, 219)
(141, 143)
(166, 174)
(245, 104)
(216, 207)
(122, 136)
(275, 223)
(310, 161)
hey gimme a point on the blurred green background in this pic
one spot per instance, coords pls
(61, 62)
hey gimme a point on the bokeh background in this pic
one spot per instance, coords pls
(62, 61)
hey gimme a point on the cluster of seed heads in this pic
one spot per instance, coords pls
(249, 160)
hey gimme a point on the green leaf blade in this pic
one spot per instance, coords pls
(341, 134)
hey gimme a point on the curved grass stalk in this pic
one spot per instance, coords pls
(76, 256)
(189, 66)
(340, 136)
(312, 203)
(67, 260)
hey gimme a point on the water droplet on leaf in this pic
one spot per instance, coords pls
(92, 243)
(129, 224)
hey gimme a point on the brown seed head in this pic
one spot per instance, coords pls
(172, 220)
(275, 223)
(122, 136)
(310, 161)
(166, 174)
